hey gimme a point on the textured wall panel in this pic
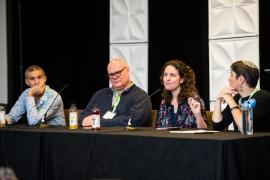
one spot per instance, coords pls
(3, 54)
(128, 21)
(136, 56)
(222, 53)
(233, 18)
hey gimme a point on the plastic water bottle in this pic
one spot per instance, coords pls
(247, 117)
(2, 116)
(252, 103)
(96, 118)
(73, 117)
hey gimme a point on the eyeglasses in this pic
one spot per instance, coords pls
(117, 74)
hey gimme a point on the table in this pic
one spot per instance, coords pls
(111, 153)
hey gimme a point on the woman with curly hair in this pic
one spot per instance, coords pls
(181, 105)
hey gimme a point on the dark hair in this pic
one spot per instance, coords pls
(33, 68)
(248, 70)
(187, 87)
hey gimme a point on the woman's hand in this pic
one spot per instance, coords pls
(226, 93)
(195, 106)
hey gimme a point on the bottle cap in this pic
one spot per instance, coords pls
(252, 103)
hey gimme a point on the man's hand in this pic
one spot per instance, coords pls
(36, 91)
(87, 121)
(8, 120)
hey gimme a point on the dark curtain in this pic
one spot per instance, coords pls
(264, 43)
(69, 39)
(179, 30)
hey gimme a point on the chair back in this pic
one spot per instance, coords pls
(209, 119)
(154, 115)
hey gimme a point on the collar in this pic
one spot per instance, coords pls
(119, 92)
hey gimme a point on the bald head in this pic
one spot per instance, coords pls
(118, 62)
(118, 72)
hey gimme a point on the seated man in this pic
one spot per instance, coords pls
(121, 100)
(36, 101)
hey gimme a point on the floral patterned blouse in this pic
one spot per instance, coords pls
(183, 118)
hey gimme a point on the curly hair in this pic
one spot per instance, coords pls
(188, 87)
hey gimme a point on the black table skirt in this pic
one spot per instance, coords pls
(60, 153)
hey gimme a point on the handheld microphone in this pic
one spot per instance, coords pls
(129, 127)
(43, 120)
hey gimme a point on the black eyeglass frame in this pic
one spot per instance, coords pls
(116, 74)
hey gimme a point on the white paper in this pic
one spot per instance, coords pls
(199, 131)
(109, 115)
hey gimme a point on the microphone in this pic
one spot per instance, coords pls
(43, 120)
(129, 127)
(267, 70)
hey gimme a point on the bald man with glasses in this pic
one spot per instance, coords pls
(119, 102)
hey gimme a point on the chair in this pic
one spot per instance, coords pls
(154, 115)
(209, 119)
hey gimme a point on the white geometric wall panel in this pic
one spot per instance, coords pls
(128, 21)
(233, 18)
(3, 54)
(136, 56)
(222, 53)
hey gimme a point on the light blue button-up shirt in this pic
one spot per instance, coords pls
(36, 111)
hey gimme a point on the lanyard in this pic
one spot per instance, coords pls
(116, 101)
(117, 96)
(253, 92)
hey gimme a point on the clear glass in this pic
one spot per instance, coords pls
(2, 116)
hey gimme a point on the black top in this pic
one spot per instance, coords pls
(261, 113)
(127, 106)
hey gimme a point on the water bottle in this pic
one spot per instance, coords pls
(73, 117)
(96, 118)
(245, 117)
(2, 116)
(252, 103)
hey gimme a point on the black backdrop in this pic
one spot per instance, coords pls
(71, 41)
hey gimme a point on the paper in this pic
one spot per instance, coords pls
(199, 131)
(109, 115)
